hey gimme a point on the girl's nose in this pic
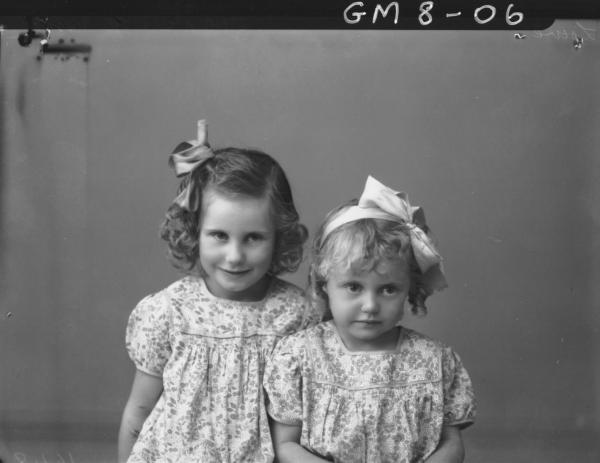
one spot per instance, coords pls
(235, 254)
(370, 304)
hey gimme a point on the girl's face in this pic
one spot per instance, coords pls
(367, 305)
(236, 244)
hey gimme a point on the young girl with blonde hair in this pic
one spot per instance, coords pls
(361, 387)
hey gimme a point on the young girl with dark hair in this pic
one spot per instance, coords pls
(199, 345)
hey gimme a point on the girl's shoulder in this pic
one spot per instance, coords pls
(280, 287)
(303, 338)
(416, 341)
(295, 347)
(416, 336)
(286, 293)
(178, 290)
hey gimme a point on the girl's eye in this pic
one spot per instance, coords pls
(353, 287)
(219, 236)
(389, 290)
(254, 237)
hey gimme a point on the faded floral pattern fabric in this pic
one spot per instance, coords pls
(386, 406)
(210, 353)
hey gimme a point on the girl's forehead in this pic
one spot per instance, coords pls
(385, 266)
(235, 211)
(213, 195)
(395, 268)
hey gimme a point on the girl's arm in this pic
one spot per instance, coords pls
(450, 449)
(144, 394)
(286, 440)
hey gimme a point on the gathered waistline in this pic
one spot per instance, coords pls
(233, 336)
(389, 384)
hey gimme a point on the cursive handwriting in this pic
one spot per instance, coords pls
(580, 32)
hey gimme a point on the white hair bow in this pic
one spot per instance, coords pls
(381, 202)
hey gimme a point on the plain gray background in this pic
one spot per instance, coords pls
(497, 138)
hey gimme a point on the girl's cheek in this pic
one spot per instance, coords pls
(209, 249)
(337, 297)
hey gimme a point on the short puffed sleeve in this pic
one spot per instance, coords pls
(459, 397)
(283, 381)
(147, 336)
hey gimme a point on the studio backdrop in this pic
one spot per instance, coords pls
(496, 136)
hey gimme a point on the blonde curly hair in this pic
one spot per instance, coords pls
(361, 245)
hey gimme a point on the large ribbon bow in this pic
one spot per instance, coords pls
(185, 161)
(381, 202)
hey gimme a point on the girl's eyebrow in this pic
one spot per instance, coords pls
(397, 284)
(246, 232)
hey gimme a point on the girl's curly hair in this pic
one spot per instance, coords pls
(236, 171)
(361, 245)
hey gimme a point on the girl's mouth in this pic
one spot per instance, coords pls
(235, 272)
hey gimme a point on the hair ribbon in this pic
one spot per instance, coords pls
(186, 161)
(378, 201)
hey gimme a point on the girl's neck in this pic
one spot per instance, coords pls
(255, 293)
(388, 342)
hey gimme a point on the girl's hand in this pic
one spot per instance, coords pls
(450, 449)
(286, 440)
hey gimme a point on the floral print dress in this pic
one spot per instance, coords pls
(210, 353)
(385, 406)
